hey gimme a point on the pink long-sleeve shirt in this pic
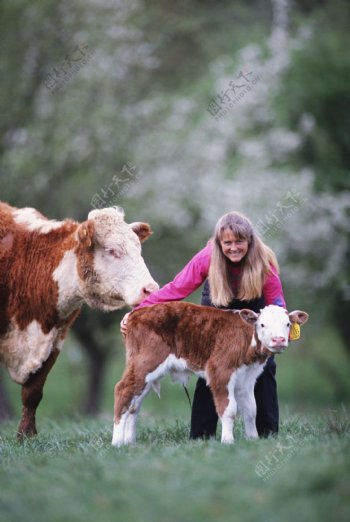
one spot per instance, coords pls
(193, 275)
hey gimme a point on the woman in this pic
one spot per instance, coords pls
(239, 271)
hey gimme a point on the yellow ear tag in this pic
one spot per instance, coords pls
(294, 332)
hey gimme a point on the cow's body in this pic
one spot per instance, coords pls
(48, 269)
(183, 338)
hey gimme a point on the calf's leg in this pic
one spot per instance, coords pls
(128, 396)
(222, 387)
(32, 393)
(247, 407)
(131, 419)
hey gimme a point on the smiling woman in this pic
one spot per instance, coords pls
(235, 244)
(239, 272)
(233, 247)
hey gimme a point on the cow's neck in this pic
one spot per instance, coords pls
(67, 279)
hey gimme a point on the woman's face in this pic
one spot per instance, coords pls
(233, 247)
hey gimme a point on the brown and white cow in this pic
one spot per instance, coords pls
(228, 348)
(48, 269)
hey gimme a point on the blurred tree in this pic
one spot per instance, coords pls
(60, 148)
(142, 97)
(316, 102)
(319, 105)
(6, 411)
(97, 334)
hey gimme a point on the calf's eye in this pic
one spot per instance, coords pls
(262, 326)
(288, 325)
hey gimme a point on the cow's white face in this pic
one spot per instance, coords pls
(112, 271)
(272, 325)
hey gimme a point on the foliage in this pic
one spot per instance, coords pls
(317, 101)
(142, 97)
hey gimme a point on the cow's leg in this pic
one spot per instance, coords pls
(126, 393)
(222, 386)
(32, 393)
(247, 407)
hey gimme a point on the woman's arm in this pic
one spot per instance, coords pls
(272, 289)
(185, 282)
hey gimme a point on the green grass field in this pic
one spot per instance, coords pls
(70, 472)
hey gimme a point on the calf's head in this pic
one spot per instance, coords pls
(273, 324)
(111, 270)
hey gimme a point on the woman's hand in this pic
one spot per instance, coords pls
(124, 324)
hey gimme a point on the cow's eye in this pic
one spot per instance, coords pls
(262, 325)
(288, 325)
(111, 252)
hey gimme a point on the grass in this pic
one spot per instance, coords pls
(70, 472)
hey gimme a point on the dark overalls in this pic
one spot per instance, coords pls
(204, 417)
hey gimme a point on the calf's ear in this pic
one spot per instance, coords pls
(85, 233)
(248, 316)
(143, 230)
(298, 317)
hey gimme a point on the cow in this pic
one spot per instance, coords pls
(227, 348)
(48, 269)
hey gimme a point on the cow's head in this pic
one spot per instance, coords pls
(111, 270)
(272, 325)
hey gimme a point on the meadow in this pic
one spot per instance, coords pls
(155, 95)
(71, 472)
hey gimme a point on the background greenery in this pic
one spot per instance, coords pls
(280, 154)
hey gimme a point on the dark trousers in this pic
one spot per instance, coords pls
(204, 418)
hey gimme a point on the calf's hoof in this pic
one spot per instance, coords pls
(118, 436)
(117, 443)
(227, 440)
(252, 436)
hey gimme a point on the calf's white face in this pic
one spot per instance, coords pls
(119, 275)
(273, 324)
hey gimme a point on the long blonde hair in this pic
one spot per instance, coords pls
(256, 264)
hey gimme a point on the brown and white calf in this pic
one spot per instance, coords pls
(48, 269)
(228, 348)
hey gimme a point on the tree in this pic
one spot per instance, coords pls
(146, 97)
(6, 411)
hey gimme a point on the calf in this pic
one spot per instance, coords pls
(48, 270)
(228, 348)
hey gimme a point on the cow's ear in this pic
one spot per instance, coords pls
(248, 316)
(143, 230)
(298, 317)
(85, 233)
